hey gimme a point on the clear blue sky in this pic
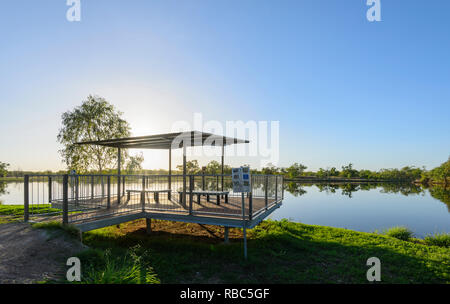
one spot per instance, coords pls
(344, 89)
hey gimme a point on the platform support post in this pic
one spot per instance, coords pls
(149, 225)
(226, 235)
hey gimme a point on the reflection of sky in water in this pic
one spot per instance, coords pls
(366, 210)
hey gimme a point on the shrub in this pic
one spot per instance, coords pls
(108, 268)
(438, 239)
(401, 233)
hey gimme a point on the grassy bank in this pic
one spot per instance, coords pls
(14, 213)
(279, 252)
(11, 179)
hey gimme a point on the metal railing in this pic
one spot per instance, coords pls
(78, 198)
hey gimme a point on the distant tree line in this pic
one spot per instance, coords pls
(438, 175)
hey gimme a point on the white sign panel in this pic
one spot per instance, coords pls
(241, 179)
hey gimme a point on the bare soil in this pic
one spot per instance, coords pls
(30, 255)
(206, 233)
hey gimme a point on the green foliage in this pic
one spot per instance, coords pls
(129, 267)
(271, 170)
(401, 233)
(192, 167)
(135, 163)
(439, 174)
(95, 119)
(348, 171)
(3, 169)
(438, 239)
(295, 170)
(327, 172)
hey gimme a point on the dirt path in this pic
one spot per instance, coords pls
(29, 255)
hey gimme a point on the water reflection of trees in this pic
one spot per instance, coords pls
(296, 189)
(438, 192)
(2, 189)
(348, 189)
(441, 193)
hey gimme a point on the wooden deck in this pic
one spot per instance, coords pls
(94, 213)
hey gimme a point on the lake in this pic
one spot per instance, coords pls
(361, 207)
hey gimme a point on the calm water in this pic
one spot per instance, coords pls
(357, 207)
(368, 209)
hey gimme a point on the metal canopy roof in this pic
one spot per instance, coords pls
(167, 141)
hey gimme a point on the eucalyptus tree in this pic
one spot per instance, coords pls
(95, 119)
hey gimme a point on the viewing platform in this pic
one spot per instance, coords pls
(91, 201)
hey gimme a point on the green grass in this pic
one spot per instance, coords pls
(11, 179)
(401, 233)
(279, 252)
(14, 213)
(438, 239)
(18, 210)
(123, 267)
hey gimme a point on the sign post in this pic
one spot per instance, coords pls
(241, 180)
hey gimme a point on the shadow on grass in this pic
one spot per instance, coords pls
(281, 252)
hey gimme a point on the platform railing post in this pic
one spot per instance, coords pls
(65, 205)
(143, 194)
(92, 187)
(108, 192)
(103, 187)
(244, 224)
(118, 189)
(49, 189)
(76, 188)
(266, 186)
(26, 198)
(276, 188)
(191, 185)
(250, 205)
(203, 179)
